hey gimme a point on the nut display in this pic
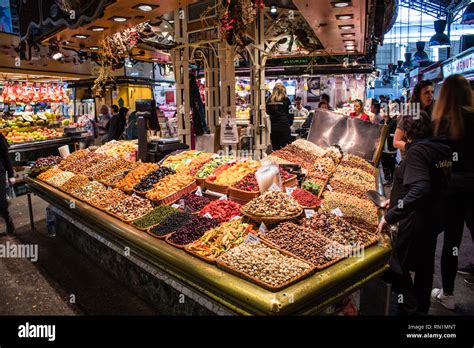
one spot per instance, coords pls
(117, 166)
(277, 160)
(131, 208)
(193, 230)
(172, 223)
(80, 166)
(323, 166)
(119, 149)
(305, 198)
(357, 190)
(273, 204)
(73, 157)
(305, 244)
(309, 147)
(75, 183)
(300, 153)
(151, 179)
(350, 206)
(334, 153)
(42, 164)
(265, 264)
(89, 191)
(135, 176)
(169, 185)
(60, 179)
(77, 165)
(207, 169)
(311, 187)
(336, 229)
(221, 238)
(291, 157)
(354, 176)
(194, 203)
(45, 176)
(107, 198)
(94, 169)
(249, 182)
(154, 217)
(358, 162)
(221, 209)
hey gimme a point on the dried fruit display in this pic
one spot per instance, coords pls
(192, 231)
(337, 229)
(220, 239)
(172, 223)
(350, 206)
(135, 176)
(190, 166)
(207, 169)
(236, 172)
(45, 176)
(154, 217)
(358, 162)
(264, 264)
(305, 198)
(42, 164)
(89, 191)
(151, 179)
(75, 183)
(309, 147)
(131, 208)
(168, 185)
(306, 244)
(119, 149)
(73, 157)
(221, 209)
(273, 204)
(60, 178)
(182, 158)
(193, 202)
(107, 198)
(311, 187)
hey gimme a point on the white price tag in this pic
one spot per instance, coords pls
(208, 215)
(237, 217)
(274, 188)
(337, 212)
(309, 213)
(263, 229)
(251, 238)
(329, 187)
(176, 206)
(199, 191)
(223, 198)
(289, 190)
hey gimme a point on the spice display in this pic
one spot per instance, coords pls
(73, 157)
(305, 198)
(169, 185)
(131, 208)
(89, 191)
(207, 169)
(236, 172)
(60, 179)
(151, 179)
(273, 204)
(172, 223)
(45, 176)
(337, 229)
(194, 203)
(74, 183)
(311, 187)
(193, 230)
(221, 209)
(154, 217)
(42, 164)
(265, 264)
(357, 162)
(105, 199)
(350, 206)
(309, 147)
(135, 176)
(220, 239)
(305, 244)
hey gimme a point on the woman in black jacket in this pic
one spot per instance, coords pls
(6, 166)
(117, 124)
(416, 205)
(453, 117)
(278, 107)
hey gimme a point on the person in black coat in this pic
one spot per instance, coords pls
(278, 108)
(117, 123)
(6, 167)
(415, 204)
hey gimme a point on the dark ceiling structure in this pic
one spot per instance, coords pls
(437, 8)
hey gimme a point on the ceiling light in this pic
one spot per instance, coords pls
(55, 52)
(171, 21)
(440, 39)
(348, 35)
(94, 48)
(97, 29)
(346, 26)
(273, 9)
(351, 47)
(145, 7)
(81, 36)
(341, 4)
(349, 41)
(155, 59)
(344, 16)
(119, 19)
(165, 26)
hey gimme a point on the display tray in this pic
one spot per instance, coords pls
(291, 182)
(241, 195)
(225, 266)
(216, 188)
(200, 181)
(311, 295)
(204, 258)
(176, 195)
(128, 221)
(270, 220)
(179, 246)
(148, 231)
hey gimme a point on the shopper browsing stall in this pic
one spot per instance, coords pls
(389, 151)
(453, 117)
(104, 120)
(278, 106)
(415, 204)
(117, 123)
(6, 167)
(359, 111)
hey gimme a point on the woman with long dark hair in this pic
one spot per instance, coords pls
(423, 94)
(453, 117)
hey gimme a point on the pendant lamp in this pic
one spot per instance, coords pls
(468, 15)
(440, 39)
(420, 55)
